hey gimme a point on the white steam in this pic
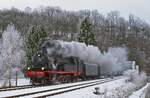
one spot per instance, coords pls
(113, 60)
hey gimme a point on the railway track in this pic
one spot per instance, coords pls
(60, 90)
(68, 89)
(15, 88)
(20, 87)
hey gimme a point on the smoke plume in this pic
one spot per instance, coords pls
(113, 60)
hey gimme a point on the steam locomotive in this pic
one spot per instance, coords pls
(53, 69)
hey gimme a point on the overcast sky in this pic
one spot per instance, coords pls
(140, 8)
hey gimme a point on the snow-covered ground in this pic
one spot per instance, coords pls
(23, 91)
(21, 81)
(140, 93)
(115, 89)
(88, 92)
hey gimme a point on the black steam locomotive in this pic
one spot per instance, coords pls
(58, 69)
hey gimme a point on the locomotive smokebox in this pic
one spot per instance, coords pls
(40, 59)
(51, 48)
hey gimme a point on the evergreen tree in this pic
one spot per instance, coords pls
(33, 39)
(86, 35)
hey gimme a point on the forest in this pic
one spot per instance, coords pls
(110, 30)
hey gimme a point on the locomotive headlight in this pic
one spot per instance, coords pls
(38, 55)
(28, 68)
(42, 68)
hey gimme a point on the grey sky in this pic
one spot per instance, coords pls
(140, 8)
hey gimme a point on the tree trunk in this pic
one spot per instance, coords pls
(9, 78)
(16, 78)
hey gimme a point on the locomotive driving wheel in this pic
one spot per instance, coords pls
(63, 79)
